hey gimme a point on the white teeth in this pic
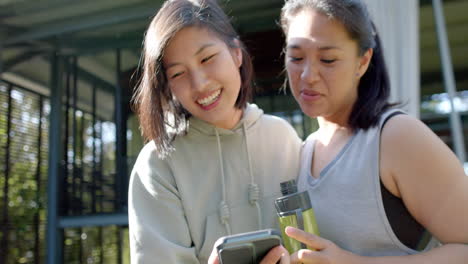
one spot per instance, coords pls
(210, 99)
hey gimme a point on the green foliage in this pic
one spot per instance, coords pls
(26, 200)
(26, 179)
(21, 151)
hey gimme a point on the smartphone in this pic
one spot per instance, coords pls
(247, 248)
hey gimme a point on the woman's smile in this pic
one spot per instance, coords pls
(211, 100)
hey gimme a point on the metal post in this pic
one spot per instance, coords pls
(65, 204)
(121, 138)
(101, 166)
(39, 185)
(96, 181)
(54, 234)
(83, 183)
(4, 245)
(1, 60)
(75, 193)
(449, 80)
(119, 245)
(94, 170)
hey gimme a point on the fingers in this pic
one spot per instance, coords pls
(305, 256)
(213, 259)
(276, 254)
(310, 240)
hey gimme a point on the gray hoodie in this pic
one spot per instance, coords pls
(216, 182)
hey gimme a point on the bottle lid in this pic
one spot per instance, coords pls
(288, 187)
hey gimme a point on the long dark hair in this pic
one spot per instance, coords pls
(374, 86)
(161, 116)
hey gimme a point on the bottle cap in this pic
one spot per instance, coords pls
(288, 187)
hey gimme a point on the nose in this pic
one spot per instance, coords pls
(310, 73)
(199, 80)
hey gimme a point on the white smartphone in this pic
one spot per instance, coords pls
(247, 248)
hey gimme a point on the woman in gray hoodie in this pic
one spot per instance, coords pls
(213, 163)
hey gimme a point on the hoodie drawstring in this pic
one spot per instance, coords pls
(254, 190)
(224, 213)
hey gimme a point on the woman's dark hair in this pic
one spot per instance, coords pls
(374, 86)
(161, 116)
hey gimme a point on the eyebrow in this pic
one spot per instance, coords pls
(202, 48)
(297, 47)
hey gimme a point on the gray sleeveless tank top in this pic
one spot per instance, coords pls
(347, 198)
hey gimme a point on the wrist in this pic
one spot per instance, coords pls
(357, 259)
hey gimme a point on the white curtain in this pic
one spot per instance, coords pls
(397, 22)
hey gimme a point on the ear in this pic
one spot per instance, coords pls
(364, 62)
(237, 53)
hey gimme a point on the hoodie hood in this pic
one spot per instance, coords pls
(250, 116)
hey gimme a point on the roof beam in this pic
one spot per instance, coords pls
(36, 11)
(120, 219)
(455, 14)
(25, 82)
(83, 46)
(115, 16)
(238, 7)
(461, 74)
(8, 64)
(25, 7)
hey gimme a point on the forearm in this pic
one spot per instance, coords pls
(447, 254)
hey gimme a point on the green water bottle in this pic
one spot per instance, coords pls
(295, 209)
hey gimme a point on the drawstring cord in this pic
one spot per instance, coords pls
(254, 190)
(224, 213)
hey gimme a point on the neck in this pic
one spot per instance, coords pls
(232, 121)
(329, 131)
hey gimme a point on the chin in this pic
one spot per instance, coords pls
(310, 111)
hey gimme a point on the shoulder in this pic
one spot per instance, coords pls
(410, 153)
(404, 132)
(277, 129)
(151, 166)
(148, 154)
(405, 138)
(274, 122)
(427, 175)
(275, 137)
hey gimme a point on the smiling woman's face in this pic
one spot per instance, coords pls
(323, 65)
(203, 75)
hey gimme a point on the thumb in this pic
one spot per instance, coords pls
(277, 254)
(311, 240)
(214, 259)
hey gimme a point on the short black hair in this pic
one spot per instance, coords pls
(374, 86)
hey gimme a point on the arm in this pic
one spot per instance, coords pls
(157, 226)
(327, 252)
(420, 169)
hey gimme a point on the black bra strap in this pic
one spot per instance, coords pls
(406, 228)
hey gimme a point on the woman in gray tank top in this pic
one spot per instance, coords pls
(354, 167)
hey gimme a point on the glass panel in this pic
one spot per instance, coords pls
(89, 184)
(134, 140)
(23, 153)
(96, 245)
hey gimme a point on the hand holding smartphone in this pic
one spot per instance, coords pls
(247, 248)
